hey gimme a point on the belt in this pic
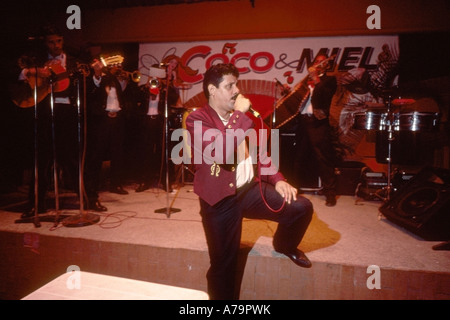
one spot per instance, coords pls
(154, 116)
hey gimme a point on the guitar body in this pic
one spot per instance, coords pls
(23, 92)
(290, 105)
(61, 78)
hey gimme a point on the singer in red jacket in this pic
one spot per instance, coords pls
(228, 187)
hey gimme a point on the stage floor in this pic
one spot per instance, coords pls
(353, 233)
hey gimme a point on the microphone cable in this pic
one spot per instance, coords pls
(257, 115)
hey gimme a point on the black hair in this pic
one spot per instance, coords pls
(50, 30)
(214, 75)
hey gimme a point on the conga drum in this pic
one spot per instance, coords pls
(419, 121)
(370, 120)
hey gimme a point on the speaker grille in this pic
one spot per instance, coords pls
(422, 205)
(416, 204)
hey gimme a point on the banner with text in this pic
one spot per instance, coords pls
(285, 59)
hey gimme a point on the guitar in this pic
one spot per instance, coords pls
(288, 107)
(112, 61)
(23, 93)
(108, 65)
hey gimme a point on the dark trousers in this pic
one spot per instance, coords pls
(105, 140)
(314, 143)
(60, 132)
(223, 225)
(151, 146)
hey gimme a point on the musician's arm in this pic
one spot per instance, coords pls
(23, 75)
(26, 73)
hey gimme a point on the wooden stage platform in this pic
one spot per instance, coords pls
(356, 253)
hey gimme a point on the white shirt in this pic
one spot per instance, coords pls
(244, 169)
(112, 101)
(308, 109)
(153, 106)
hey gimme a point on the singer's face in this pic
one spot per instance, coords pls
(224, 96)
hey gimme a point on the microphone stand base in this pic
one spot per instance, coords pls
(81, 220)
(42, 218)
(164, 210)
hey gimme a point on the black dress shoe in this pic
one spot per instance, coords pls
(330, 201)
(30, 213)
(142, 187)
(298, 257)
(96, 206)
(118, 190)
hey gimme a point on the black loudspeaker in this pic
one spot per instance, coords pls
(349, 175)
(302, 173)
(422, 205)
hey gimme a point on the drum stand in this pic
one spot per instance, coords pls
(389, 156)
(390, 129)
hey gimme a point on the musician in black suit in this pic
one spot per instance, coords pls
(313, 135)
(152, 135)
(46, 67)
(106, 124)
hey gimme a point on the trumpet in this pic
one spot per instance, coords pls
(135, 76)
(153, 83)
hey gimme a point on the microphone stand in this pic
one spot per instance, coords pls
(55, 162)
(168, 209)
(37, 223)
(84, 218)
(274, 117)
(36, 220)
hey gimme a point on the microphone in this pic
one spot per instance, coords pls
(278, 82)
(284, 91)
(33, 38)
(254, 112)
(250, 109)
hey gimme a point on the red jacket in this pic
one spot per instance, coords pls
(215, 180)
